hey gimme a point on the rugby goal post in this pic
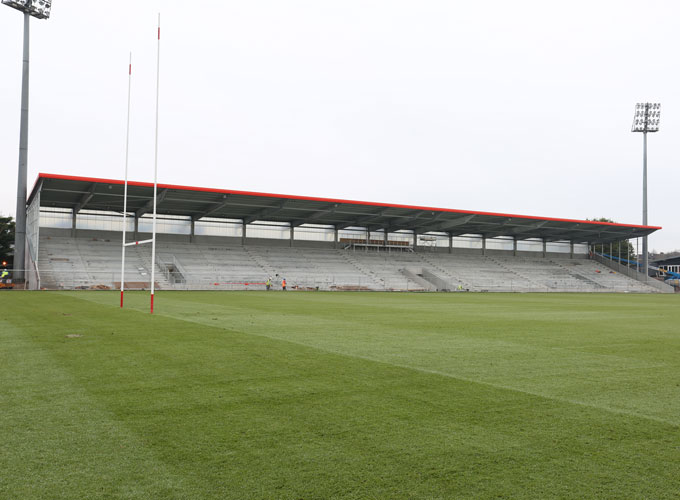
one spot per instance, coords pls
(152, 240)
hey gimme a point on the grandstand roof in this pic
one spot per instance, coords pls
(78, 193)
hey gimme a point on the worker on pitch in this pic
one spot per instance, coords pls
(283, 284)
(268, 283)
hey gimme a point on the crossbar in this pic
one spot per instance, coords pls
(132, 243)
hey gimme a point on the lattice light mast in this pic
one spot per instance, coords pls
(39, 9)
(647, 116)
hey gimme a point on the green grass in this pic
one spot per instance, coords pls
(339, 395)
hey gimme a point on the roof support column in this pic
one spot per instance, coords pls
(192, 232)
(385, 238)
(243, 233)
(368, 237)
(292, 235)
(545, 246)
(136, 227)
(335, 237)
(450, 243)
(73, 223)
(483, 245)
(415, 240)
(514, 247)
(571, 249)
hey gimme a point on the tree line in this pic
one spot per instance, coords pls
(6, 240)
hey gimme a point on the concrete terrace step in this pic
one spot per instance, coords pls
(80, 262)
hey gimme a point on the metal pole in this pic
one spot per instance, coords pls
(155, 167)
(20, 220)
(645, 257)
(127, 149)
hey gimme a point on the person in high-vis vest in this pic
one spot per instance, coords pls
(4, 274)
(283, 284)
(268, 283)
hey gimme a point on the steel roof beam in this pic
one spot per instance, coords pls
(346, 224)
(214, 207)
(316, 215)
(395, 226)
(68, 191)
(148, 206)
(262, 214)
(444, 226)
(85, 199)
(517, 230)
(425, 227)
(495, 225)
(365, 221)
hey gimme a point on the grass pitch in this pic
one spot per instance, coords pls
(339, 395)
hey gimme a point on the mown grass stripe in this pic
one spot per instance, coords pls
(233, 414)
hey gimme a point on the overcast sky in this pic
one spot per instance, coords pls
(520, 107)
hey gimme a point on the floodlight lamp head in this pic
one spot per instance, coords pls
(647, 117)
(39, 9)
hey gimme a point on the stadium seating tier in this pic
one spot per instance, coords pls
(79, 263)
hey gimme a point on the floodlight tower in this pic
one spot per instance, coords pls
(39, 9)
(647, 116)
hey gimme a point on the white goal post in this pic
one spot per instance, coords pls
(152, 240)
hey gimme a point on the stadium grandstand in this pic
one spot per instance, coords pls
(220, 239)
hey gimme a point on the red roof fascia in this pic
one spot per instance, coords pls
(326, 200)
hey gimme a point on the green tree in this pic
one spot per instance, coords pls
(6, 239)
(622, 249)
